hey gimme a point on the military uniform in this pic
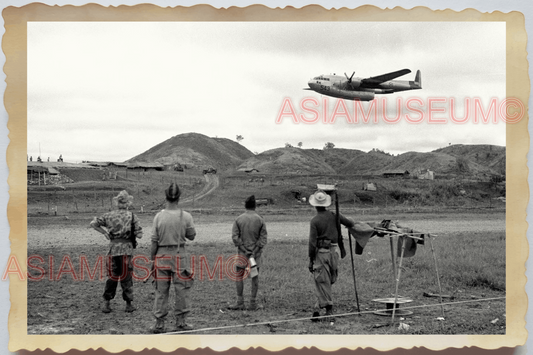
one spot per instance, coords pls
(119, 224)
(170, 230)
(249, 235)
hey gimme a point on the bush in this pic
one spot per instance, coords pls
(404, 195)
(444, 191)
(365, 197)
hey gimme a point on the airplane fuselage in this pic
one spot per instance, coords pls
(338, 86)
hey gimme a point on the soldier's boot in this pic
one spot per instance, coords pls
(315, 316)
(239, 305)
(159, 326)
(180, 323)
(254, 306)
(255, 287)
(106, 308)
(129, 307)
(329, 312)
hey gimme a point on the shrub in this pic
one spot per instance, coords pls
(404, 195)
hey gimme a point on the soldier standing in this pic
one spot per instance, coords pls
(120, 225)
(323, 249)
(172, 226)
(249, 235)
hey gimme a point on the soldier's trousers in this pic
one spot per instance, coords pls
(325, 274)
(182, 285)
(119, 269)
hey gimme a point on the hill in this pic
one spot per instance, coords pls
(288, 161)
(465, 160)
(487, 156)
(199, 151)
(367, 163)
(196, 151)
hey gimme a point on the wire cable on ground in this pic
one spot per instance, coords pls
(321, 317)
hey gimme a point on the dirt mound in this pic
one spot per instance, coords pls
(196, 151)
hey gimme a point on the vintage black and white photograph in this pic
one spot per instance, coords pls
(267, 178)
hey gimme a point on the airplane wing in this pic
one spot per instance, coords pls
(376, 80)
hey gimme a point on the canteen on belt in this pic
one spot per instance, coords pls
(253, 267)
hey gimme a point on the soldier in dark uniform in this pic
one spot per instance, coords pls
(323, 249)
(249, 235)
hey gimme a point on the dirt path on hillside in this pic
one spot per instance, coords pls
(212, 185)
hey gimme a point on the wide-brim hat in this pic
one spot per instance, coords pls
(123, 199)
(320, 199)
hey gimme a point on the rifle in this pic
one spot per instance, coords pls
(132, 238)
(341, 247)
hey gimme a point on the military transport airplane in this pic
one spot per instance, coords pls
(350, 88)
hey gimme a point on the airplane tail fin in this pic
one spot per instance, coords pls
(418, 79)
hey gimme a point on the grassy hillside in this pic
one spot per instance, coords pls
(482, 155)
(288, 161)
(199, 151)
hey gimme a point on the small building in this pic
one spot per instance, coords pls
(118, 165)
(369, 186)
(428, 175)
(41, 174)
(260, 201)
(396, 173)
(100, 164)
(146, 166)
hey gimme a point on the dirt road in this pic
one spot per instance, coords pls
(212, 185)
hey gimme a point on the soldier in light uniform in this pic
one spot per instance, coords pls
(172, 226)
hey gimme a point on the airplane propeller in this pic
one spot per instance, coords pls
(349, 79)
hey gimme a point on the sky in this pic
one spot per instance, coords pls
(108, 91)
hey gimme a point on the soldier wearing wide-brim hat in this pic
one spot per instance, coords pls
(323, 249)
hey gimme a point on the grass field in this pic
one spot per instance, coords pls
(92, 194)
(470, 252)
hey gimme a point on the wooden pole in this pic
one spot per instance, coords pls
(393, 259)
(398, 281)
(437, 271)
(353, 273)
